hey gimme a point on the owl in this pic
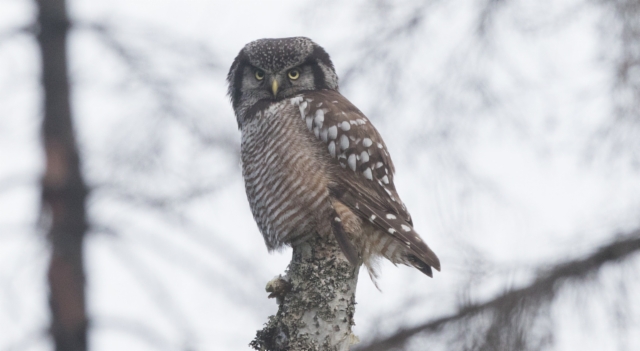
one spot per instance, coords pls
(312, 163)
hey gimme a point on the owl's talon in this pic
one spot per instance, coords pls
(278, 287)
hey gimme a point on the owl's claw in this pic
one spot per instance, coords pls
(278, 287)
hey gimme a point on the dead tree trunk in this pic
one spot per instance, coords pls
(63, 190)
(317, 301)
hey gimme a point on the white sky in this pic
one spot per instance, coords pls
(511, 184)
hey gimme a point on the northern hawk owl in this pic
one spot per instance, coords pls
(313, 164)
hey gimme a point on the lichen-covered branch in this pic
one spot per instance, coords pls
(317, 301)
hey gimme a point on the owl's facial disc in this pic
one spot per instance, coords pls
(274, 69)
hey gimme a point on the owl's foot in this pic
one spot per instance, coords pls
(278, 287)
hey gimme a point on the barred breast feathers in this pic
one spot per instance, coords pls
(285, 180)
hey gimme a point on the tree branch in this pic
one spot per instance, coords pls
(543, 288)
(63, 189)
(317, 301)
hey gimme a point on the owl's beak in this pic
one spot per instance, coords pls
(274, 87)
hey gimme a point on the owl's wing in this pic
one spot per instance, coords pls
(363, 178)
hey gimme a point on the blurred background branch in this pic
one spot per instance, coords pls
(511, 314)
(63, 188)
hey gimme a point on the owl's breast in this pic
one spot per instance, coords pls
(285, 176)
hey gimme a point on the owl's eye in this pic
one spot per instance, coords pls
(259, 74)
(294, 74)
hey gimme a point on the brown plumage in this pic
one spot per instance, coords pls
(313, 163)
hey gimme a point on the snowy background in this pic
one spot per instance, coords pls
(511, 128)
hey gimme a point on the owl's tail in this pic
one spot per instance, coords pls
(416, 252)
(345, 244)
(423, 267)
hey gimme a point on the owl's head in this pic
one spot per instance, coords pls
(274, 69)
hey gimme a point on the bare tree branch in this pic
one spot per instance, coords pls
(233, 289)
(157, 291)
(63, 189)
(164, 88)
(377, 49)
(543, 288)
(12, 33)
(202, 236)
(624, 130)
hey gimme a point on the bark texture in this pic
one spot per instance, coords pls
(63, 189)
(317, 301)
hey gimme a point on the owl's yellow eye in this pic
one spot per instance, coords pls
(259, 74)
(294, 74)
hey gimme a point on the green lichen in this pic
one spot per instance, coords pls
(310, 317)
